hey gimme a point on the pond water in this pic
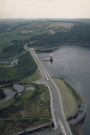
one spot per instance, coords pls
(72, 63)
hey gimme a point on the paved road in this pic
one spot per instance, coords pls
(9, 94)
(60, 122)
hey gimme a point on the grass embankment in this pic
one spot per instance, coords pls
(70, 98)
(25, 111)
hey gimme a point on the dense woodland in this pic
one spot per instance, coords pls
(2, 94)
(12, 50)
(25, 67)
(79, 33)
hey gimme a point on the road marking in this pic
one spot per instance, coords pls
(45, 75)
(62, 127)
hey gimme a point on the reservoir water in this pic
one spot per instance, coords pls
(72, 63)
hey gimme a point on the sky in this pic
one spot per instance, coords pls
(44, 9)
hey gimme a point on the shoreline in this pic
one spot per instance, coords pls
(76, 119)
(53, 48)
(76, 125)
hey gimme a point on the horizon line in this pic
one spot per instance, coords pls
(42, 18)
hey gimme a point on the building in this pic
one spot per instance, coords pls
(19, 88)
(14, 62)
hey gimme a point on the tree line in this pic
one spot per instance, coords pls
(79, 33)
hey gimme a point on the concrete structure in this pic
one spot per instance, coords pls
(19, 88)
(9, 94)
(51, 57)
(14, 62)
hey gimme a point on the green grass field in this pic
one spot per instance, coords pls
(6, 41)
(62, 24)
(6, 104)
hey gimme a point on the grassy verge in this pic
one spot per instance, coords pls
(79, 99)
(30, 109)
(34, 77)
(70, 99)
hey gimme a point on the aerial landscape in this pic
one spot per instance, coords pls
(44, 68)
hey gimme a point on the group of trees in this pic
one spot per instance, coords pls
(17, 47)
(2, 94)
(5, 112)
(25, 67)
(36, 93)
(79, 33)
(12, 50)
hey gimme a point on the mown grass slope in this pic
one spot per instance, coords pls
(69, 101)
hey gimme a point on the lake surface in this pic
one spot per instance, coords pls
(72, 63)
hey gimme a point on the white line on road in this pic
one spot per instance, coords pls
(62, 127)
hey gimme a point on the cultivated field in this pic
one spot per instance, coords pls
(62, 24)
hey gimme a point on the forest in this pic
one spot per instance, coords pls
(12, 50)
(25, 67)
(79, 33)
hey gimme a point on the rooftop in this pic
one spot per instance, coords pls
(19, 88)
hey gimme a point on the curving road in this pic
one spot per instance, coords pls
(60, 122)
